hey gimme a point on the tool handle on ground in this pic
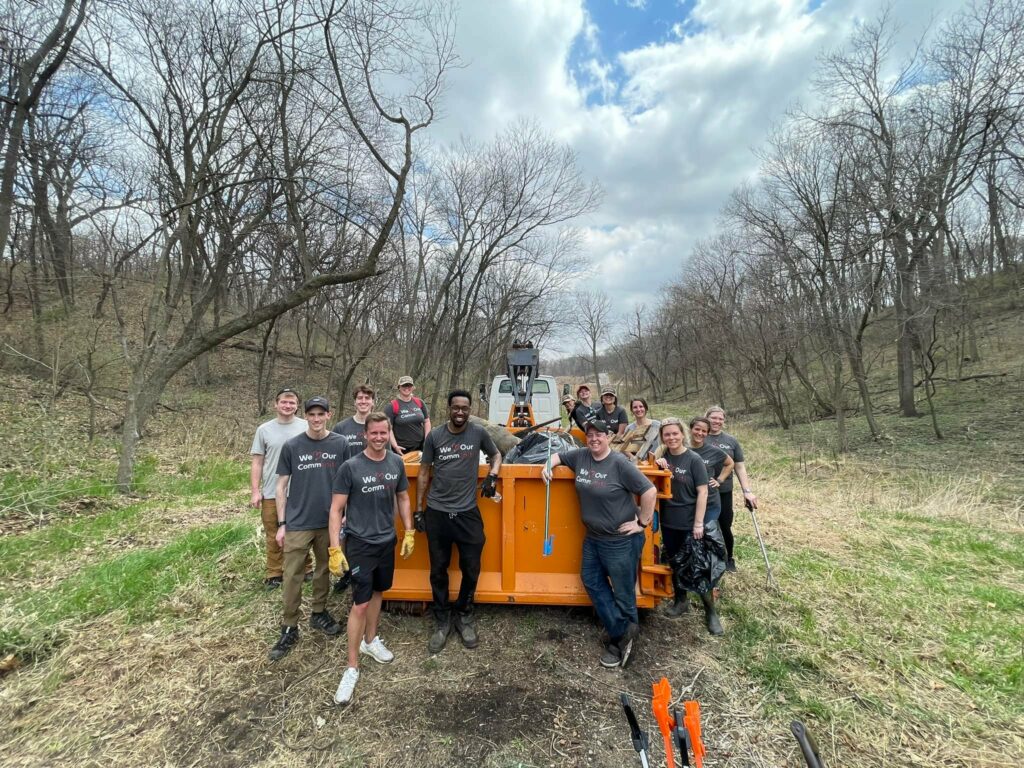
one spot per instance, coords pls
(807, 745)
(682, 738)
(638, 737)
(692, 722)
(662, 691)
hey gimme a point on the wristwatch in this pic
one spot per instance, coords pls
(280, 523)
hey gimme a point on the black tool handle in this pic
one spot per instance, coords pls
(807, 745)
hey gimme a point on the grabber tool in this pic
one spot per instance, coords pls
(682, 737)
(692, 722)
(549, 539)
(760, 540)
(659, 705)
(808, 746)
(639, 737)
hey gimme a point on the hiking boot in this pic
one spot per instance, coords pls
(325, 623)
(730, 565)
(678, 607)
(347, 686)
(439, 638)
(611, 658)
(711, 616)
(464, 625)
(289, 637)
(376, 650)
(627, 643)
(274, 582)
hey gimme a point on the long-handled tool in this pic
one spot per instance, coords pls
(549, 539)
(682, 737)
(692, 722)
(807, 745)
(659, 705)
(760, 540)
(639, 737)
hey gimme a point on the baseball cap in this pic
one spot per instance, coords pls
(607, 390)
(405, 380)
(316, 402)
(568, 399)
(600, 425)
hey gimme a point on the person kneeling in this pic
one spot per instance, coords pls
(366, 488)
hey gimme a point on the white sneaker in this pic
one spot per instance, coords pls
(377, 650)
(347, 686)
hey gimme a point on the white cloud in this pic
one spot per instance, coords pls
(669, 127)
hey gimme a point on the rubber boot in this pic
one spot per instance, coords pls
(680, 605)
(710, 615)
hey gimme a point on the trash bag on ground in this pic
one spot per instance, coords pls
(533, 449)
(699, 563)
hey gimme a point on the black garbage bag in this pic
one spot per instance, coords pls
(533, 449)
(699, 563)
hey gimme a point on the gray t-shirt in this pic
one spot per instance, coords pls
(371, 487)
(688, 472)
(714, 460)
(353, 432)
(312, 465)
(728, 444)
(456, 460)
(613, 419)
(270, 438)
(605, 489)
(408, 422)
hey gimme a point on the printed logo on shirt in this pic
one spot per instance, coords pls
(379, 482)
(679, 471)
(592, 479)
(455, 451)
(726, 447)
(317, 460)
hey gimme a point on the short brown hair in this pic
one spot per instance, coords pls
(375, 416)
(702, 420)
(364, 389)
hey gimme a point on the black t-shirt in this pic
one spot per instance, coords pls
(371, 487)
(455, 457)
(615, 418)
(353, 432)
(311, 465)
(408, 423)
(606, 490)
(714, 460)
(725, 442)
(688, 472)
(582, 415)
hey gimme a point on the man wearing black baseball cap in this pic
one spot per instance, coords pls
(606, 483)
(305, 472)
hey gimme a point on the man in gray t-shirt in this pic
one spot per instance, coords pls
(353, 429)
(304, 474)
(451, 453)
(266, 450)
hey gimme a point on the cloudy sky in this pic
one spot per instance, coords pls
(662, 100)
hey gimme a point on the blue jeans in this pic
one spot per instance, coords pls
(609, 574)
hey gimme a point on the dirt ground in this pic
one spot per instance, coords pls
(532, 694)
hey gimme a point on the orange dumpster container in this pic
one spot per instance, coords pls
(513, 568)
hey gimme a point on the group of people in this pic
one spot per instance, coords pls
(320, 487)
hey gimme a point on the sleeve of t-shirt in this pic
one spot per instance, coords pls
(426, 413)
(259, 445)
(403, 479)
(284, 464)
(427, 456)
(487, 444)
(737, 451)
(633, 480)
(698, 471)
(342, 479)
(389, 411)
(569, 459)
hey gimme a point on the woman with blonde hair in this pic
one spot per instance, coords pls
(730, 446)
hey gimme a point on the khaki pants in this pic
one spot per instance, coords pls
(296, 550)
(275, 556)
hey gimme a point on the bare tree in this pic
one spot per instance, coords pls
(593, 320)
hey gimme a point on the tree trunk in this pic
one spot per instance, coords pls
(904, 306)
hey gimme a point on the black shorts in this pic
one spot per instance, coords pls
(372, 567)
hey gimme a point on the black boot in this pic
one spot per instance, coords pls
(680, 605)
(710, 615)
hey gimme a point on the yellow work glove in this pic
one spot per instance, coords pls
(337, 562)
(408, 544)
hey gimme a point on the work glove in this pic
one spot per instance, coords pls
(419, 521)
(337, 562)
(408, 544)
(489, 487)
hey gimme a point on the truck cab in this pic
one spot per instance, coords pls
(545, 400)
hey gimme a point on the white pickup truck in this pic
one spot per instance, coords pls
(545, 400)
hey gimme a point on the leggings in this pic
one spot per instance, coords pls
(725, 520)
